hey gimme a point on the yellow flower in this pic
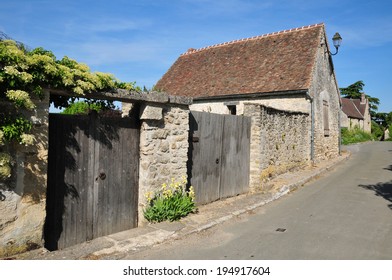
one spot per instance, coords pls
(148, 196)
(191, 193)
(177, 186)
(167, 193)
(184, 180)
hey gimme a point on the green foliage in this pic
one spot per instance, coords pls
(81, 108)
(31, 71)
(355, 135)
(171, 203)
(390, 134)
(385, 119)
(25, 73)
(377, 130)
(13, 128)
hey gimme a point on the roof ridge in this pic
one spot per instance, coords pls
(192, 50)
(355, 106)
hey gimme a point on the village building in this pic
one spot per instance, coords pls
(290, 70)
(87, 176)
(355, 113)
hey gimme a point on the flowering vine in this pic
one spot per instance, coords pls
(24, 75)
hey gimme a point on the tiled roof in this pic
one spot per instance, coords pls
(360, 106)
(275, 62)
(351, 107)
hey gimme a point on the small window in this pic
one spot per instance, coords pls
(232, 109)
(326, 117)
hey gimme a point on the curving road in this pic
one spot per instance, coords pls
(346, 214)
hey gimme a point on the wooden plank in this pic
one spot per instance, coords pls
(82, 182)
(99, 187)
(130, 172)
(206, 156)
(235, 156)
(53, 222)
(116, 210)
(127, 196)
(73, 132)
(91, 196)
(220, 152)
(132, 135)
(229, 163)
(80, 207)
(109, 164)
(245, 144)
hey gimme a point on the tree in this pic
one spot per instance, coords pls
(85, 106)
(355, 91)
(384, 119)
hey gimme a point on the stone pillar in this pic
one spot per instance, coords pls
(253, 111)
(163, 147)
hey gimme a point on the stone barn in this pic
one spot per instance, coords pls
(290, 70)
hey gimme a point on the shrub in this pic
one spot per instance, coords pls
(355, 135)
(172, 202)
(81, 108)
(377, 130)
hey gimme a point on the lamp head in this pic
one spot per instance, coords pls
(337, 40)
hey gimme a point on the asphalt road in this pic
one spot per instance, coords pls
(346, 214)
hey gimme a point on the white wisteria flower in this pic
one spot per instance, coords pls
(21, 98)
(4, 159)
(1, 138)
(27, 139)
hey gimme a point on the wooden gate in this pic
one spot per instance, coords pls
(219, 155)
(92, 178)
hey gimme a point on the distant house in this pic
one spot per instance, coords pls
(287, 70)
(355, 113)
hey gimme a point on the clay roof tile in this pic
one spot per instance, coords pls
(279, 61)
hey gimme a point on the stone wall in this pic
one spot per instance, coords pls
(351, 123)
(325, 92)
(22, 197)
(163, 155)
(163, 147)
(280, 142)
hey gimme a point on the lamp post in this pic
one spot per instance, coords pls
(337, 40)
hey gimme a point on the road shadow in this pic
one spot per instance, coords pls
(383, 190)
(388, 168)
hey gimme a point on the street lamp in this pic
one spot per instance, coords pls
(337, 40)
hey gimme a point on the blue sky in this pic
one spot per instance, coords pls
(139, 40)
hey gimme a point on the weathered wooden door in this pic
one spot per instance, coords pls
(92, 178)
(219, 155)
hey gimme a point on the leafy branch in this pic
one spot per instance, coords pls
(25, 73)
